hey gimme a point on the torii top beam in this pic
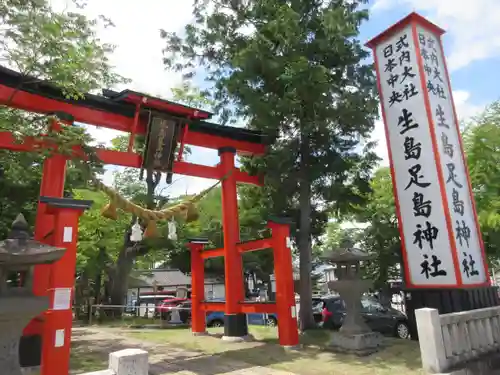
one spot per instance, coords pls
(117, 110)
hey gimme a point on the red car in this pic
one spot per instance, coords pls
(167, 303)
(182, 315)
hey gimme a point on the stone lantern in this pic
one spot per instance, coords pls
(354, 336)
(18, 254)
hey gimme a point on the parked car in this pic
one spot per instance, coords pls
(378, 318)
(213, 318)
(184, 310)
(216, 319)
(164, 310)
(147, 303)
(317, 306)
(164, 306)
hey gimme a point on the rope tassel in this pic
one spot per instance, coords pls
(192, 213)
(151, 230)
(187, 209)
(109, 211)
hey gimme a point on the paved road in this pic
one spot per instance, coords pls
(165, 359)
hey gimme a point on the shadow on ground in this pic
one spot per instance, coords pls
(306, 361)
(90, 352)
(210, 356)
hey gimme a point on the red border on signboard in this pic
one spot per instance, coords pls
(471, 196)
(415, 19)
(412, 19)
(437, 157)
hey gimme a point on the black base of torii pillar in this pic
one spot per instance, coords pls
(448, 301)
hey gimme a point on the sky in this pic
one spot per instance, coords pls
(471, 43)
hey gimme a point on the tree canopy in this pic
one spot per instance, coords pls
(381, 235)
(482, 147)
(293, 69)
(296, 71)
(60, 47)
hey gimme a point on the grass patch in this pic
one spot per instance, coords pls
(84, 359)
(127, 322)
(399, 356)
(124, 321)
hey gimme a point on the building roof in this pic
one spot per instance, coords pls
(137, 282)
(214, 279)
(165, 277)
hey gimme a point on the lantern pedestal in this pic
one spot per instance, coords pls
(15, 314)
(361, 344)
(354, 336)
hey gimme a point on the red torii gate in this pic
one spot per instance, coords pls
(125, 111)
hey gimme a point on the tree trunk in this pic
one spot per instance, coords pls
(97, 287)
(125, 262)
(119, 282)
(80, 296)
(384, 290)
(245, 285)
(305, 255)
(385, 296)
(98, 278)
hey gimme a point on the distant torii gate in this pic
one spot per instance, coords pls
(177, 125)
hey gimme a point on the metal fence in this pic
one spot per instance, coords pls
(155, 316)
(123, 315)
(152, 315)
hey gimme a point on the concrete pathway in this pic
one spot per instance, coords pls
(165, 359)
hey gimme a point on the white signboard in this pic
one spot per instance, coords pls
(460, 207)
(425, 234)
(59, 340)
(62, 299)
(440, 236)
(67, 234)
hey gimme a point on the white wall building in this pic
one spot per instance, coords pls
(168, 280)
